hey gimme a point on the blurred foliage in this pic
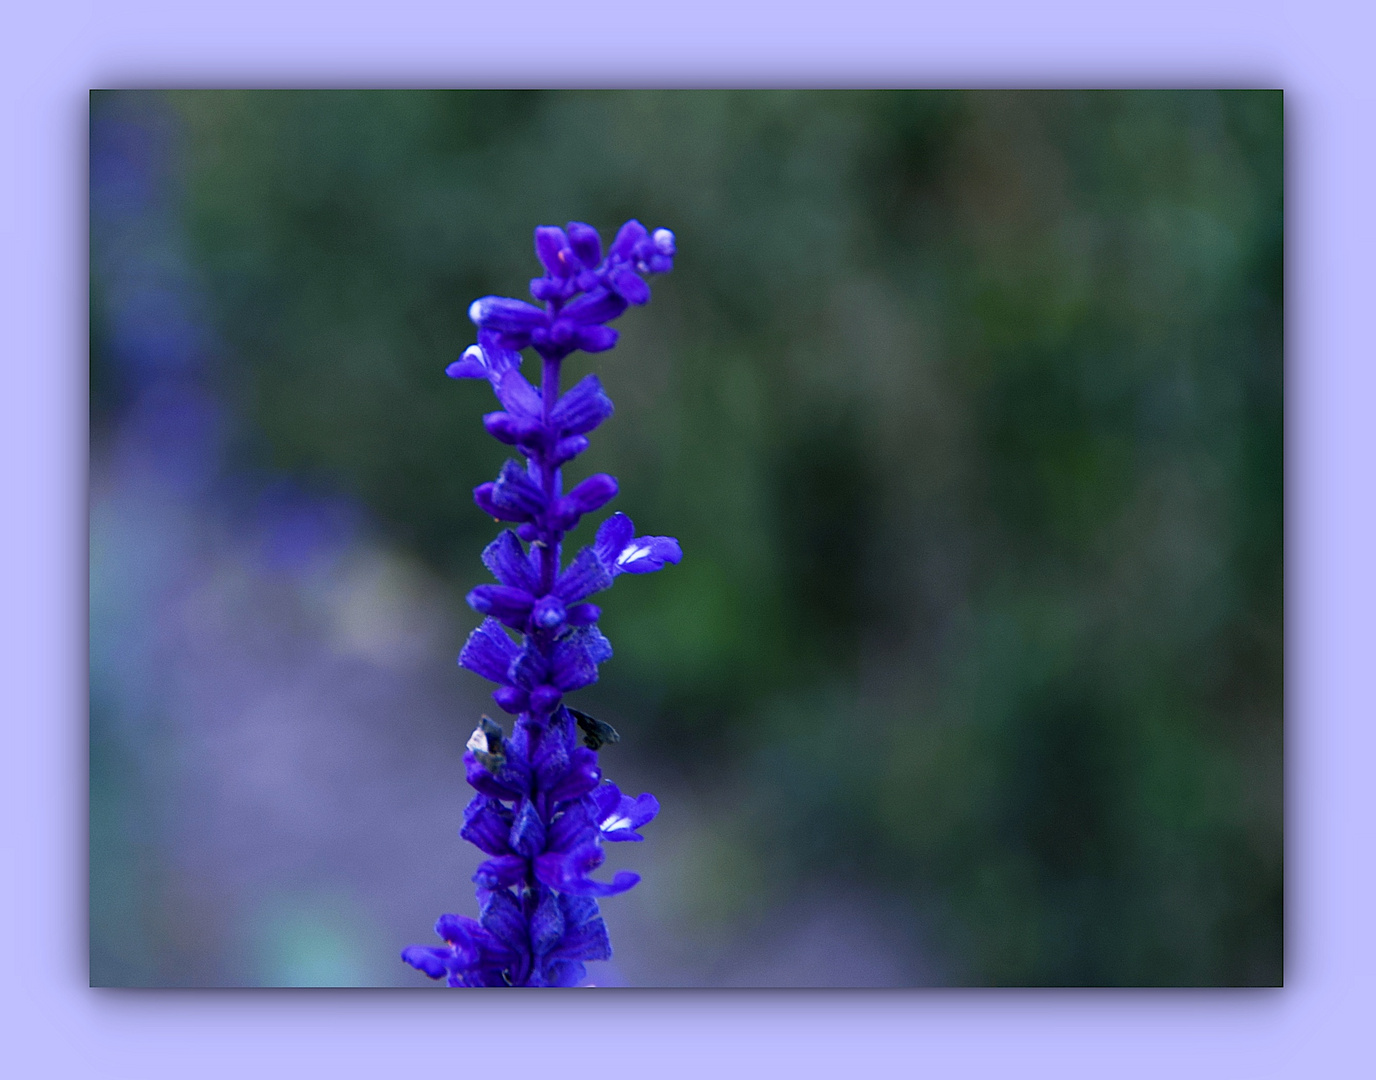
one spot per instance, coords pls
(966, 408)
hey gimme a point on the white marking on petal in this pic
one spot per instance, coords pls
(476, 311)
(474, 352)
(631, 554)
(664, 241)
(477, 742)
(616, 821)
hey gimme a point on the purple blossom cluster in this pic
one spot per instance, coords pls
(542, 808)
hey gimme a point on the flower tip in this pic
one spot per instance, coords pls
(472, 364)
(476, 311)
(664, 241)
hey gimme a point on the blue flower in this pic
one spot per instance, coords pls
(542, 809)
(581, 291)
(622, 552)
(541, 817)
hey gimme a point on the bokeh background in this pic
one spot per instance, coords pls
(967, 410)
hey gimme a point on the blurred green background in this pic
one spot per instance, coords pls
(967, 410)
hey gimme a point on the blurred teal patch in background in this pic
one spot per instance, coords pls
(312, 944)
(966, 407)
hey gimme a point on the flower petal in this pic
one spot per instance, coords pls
(528, 831)
(627, 237)
(582, 408)
(583, 576)
(629, 815)
(586, 243)
(549, 612)
(530, 668)
(512, 430)
(510, 564)
(594, 308)
(511, 699)
(509, 782)
(583, 614)
(552, 249)
(576, 656)
(569, 873)
(488, 359)
(515, 493)
(585, 934)
(593, 493)
(432, 960)
(500, 872)
(646, 554)
(489, 652)
(606, 798)
(595, 338)
(502, 918)
(612, 537)
(505, 315)
(630, 285)
(518, 397)
(582, 775)
(487, 825)
(562, 973)
(482, 495)
(572, 828)
(470, 365)
(502, 602)
(546, 923)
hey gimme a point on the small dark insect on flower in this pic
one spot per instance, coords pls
(542, 809)
(486, 745)
(595, 732)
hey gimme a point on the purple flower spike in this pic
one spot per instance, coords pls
(542, 810)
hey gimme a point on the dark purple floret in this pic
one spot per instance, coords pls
(510, 564)
(542, 809)
(489, 359)
(585, 575)
(489, 652)
(582, 408)
(619, 816)
(622, 552)
(581, 291)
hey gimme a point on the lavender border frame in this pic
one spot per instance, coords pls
(57, 51)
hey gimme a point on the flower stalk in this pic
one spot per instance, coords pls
(542, 807)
